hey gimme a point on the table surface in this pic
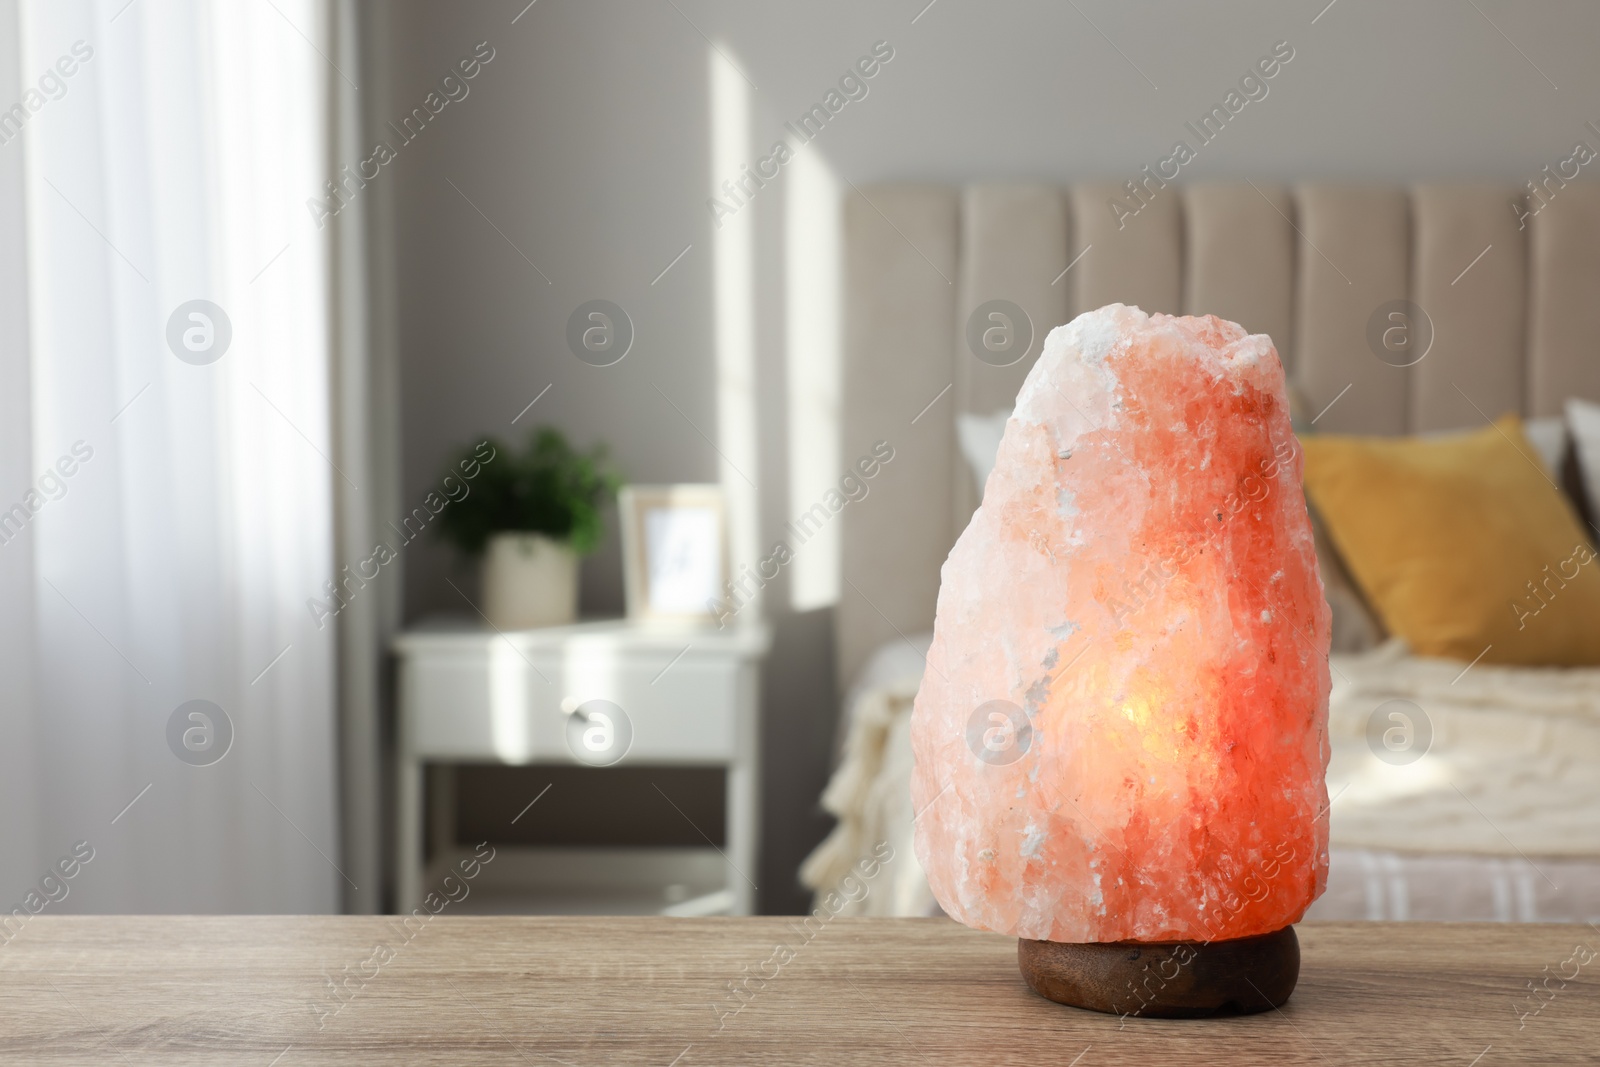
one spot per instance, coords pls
(458, 990)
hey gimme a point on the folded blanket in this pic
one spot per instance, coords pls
(1511, 768)
(870, 795)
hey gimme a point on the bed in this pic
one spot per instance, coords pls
(1501, 821)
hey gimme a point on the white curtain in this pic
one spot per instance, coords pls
(171, 165)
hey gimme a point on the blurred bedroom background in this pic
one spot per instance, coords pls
(522, 437)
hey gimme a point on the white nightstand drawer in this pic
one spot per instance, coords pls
(509, 704)
(469, 694)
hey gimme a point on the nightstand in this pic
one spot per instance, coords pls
(641, 694)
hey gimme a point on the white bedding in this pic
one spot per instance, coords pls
(1499, 820)
(1381, 885)
(870, 793)
(1514, 767)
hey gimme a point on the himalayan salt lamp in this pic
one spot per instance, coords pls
(1121, 734)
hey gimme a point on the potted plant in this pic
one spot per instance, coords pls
(530, 515)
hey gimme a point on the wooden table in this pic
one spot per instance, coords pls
(258, 990)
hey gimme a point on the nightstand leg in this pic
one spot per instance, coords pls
(741, 839)
(409, 830)
(744, 799)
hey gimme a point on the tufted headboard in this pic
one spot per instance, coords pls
(1512, 296)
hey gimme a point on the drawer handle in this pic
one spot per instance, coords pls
(599, 732)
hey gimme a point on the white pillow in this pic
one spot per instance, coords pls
(1548, 436)
(1583, 420)
(979, 436)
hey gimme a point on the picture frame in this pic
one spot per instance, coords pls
(674, 550)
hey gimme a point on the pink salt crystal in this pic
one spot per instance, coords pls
(1140, 592)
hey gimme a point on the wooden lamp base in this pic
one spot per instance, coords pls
(1166, 979)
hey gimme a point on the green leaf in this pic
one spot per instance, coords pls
(548, 488)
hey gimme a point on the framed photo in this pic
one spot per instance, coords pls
(674, 550)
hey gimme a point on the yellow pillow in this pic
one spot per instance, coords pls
(1461, 543)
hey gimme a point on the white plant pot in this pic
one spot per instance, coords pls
(529, 580)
